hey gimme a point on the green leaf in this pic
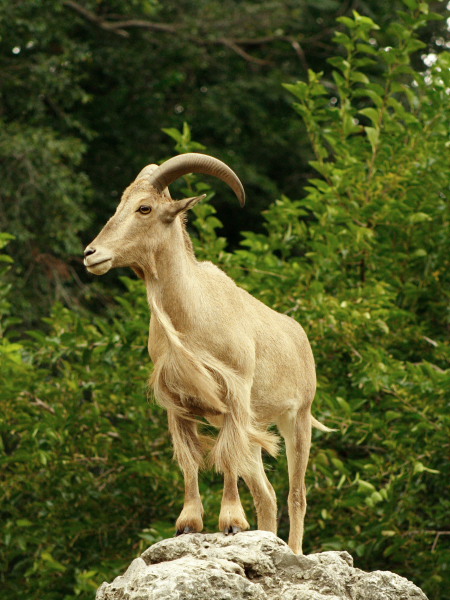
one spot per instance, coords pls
(415, 44)
(343, 40)
(366, 48)
(373, 134)
(299, 89)
(376, 497)
(52, 562)
(376, 98)
(365, 21)
(419, 253)
(419, 467)
(359, 77)
(411, 4)
(5, 238)
(350, 23)
(24, 523)
(340, 63)
(349, 125)
(365, 486)
(392, 414)
(339, 80)
(173, 133)
(344, 405)
(420, 217)
(373, 114)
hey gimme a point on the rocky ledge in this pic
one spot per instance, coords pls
(255, 565)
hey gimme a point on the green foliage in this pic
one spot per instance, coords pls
(42, 142)
(41, 194)
(86, 461)
(83, 101)
(5, 263)
(372, 265)
(378, 148)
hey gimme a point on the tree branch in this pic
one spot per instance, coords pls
(93, 18)
(120, 26)
(236, 48)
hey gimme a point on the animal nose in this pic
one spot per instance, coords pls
(89, 251)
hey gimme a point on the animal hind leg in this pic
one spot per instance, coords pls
(296, 430)
(264, 496)
(187, 450)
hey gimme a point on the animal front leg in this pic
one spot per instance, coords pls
(187, 450)
(191, 517)
(232, 517)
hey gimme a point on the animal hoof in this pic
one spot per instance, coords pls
(187, 529)
(232, 530)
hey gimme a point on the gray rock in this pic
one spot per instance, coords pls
(254, 565)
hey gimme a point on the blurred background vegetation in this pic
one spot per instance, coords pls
(336, 117)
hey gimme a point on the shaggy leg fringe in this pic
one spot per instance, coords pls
(233, 449)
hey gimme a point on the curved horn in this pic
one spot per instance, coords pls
(147, 172)
(193, 162)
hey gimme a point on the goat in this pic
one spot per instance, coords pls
(218, 353)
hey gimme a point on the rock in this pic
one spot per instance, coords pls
(253, 565)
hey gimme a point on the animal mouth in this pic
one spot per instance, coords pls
(99, 267)
(99, 262)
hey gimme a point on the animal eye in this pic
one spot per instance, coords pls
(145, 210)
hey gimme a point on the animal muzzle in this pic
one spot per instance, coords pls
(97, 260)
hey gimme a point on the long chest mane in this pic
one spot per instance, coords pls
(187, 378)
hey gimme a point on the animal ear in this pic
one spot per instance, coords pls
(177, 207)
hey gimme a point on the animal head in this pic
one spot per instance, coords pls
(146, 213)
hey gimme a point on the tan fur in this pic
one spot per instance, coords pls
(219, 355)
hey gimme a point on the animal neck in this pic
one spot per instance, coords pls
(170, 278)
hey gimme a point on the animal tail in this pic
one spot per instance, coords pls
(266, 439)
(318, 425)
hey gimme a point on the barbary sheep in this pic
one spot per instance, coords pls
(219, 354)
